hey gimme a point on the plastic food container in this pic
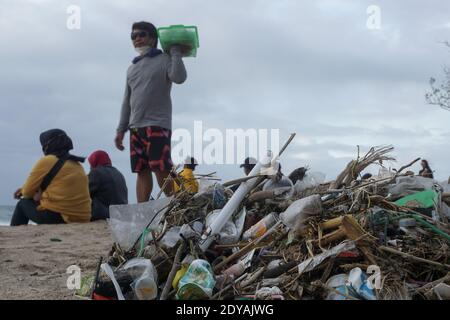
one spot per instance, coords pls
(197, 283)
(338, 282)
(179, 35)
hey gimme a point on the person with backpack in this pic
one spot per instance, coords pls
(57, 189)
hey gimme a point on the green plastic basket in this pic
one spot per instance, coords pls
(180, 35)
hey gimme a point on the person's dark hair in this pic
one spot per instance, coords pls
(149, 27)
(56, 142)
(427, 166)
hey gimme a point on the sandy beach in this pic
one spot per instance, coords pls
(34, 259)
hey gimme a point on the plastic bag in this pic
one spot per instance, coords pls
(271, 185)
(445, 187)
(445, 210)
(301, 209)
(171, 237)
(311, 180)
(268, 293)
(110, 273)
(338, 282)
(423, 199)
(198, 282)
(228, 231)
(407, 185)
(127, 222)
(384, 173)
(283, 189)
(358, 281)
(145, 278)
(232, 230)
(218, 196)
(213, 194)
(190, 231)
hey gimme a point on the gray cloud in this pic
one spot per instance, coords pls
(307, 67)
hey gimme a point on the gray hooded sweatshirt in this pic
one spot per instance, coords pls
(147, 99)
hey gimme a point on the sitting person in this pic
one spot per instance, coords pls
(107, 185)
(426, 170)
(56, 190)
(185, 180)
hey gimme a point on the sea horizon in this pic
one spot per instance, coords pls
(6, 212)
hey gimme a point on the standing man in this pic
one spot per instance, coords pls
(147, 109)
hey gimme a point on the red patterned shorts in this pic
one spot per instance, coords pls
(150, 149)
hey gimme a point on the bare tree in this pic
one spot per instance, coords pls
(440, 93)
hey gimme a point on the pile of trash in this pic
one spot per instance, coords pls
(386, 237)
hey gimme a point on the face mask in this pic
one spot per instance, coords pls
(142, 50)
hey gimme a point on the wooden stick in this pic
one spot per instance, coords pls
(252, 277)
(228, 286)
(407, 166)
(173, 271)
(236, 181)
(205, 174)
(331, 224)
(243, 179)
(235, 245)
(252, 245)
(169, 179)
(430, 285)
(354, 187)
(414, 258)
(94, 285)
(291, 137)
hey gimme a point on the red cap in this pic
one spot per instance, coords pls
(99, 158)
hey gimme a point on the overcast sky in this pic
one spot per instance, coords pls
(310, 67)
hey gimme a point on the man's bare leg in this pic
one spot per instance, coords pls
(161, 177)
(144, 186)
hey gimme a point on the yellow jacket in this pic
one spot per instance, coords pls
(188, 181)
(68, 193)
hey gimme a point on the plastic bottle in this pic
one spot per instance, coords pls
(180, 273)
(235, 270)
(261, 227)
(146, 289)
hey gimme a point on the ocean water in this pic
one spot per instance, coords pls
(5, 215)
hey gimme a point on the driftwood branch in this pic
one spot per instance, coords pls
(355, 167)
(173, 271)
(252, 245)
(414, 258)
